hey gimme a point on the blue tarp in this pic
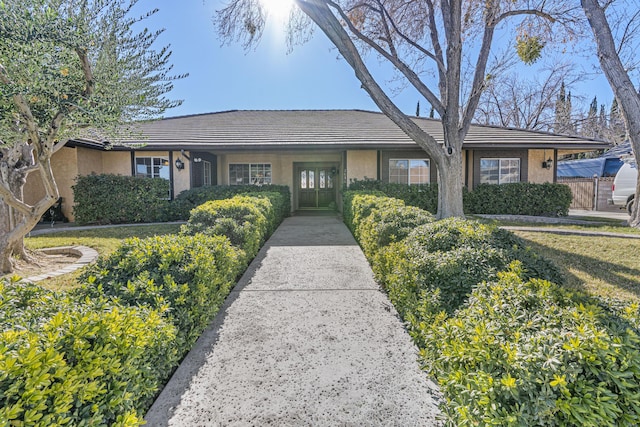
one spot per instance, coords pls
(605, 165)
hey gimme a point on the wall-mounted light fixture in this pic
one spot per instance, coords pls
(548, 164)
(179, 164)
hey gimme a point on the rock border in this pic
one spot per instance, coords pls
(87, 256)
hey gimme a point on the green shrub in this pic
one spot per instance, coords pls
(359, 205)
(451, 256)
(348, 208)
(530, 353)
(519, 198)
(114, 199)
(243, 219)
(189, 199)
(189, 276)
(389, 223)
(506, 347)
(424, 196)
(68, 361)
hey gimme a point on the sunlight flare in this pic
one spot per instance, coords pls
(277, 9)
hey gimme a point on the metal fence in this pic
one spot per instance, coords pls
(590, 193)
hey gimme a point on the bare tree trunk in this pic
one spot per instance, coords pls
(620, 82)
(450, 195)
(18, 218)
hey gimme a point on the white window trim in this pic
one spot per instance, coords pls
(206, 173)
(500, 159)
(162, 158)
(250, 177)
(409, 170)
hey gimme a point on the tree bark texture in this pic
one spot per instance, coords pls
(620, 82)
(16, 217)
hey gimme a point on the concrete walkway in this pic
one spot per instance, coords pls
(305, 338)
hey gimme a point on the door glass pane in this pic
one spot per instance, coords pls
(312, 179)
(322, 175)
(303, 179)
(329, 181)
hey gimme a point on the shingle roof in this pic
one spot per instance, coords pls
(271, 129)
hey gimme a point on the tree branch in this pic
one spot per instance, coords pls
(479, 75)
(319, 12)
(411, 76)
(535, 12)
(25, 111)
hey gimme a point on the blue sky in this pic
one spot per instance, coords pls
(226, 77)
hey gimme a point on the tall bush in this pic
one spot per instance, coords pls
(115, 199)
(519, 198)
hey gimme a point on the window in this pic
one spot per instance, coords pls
(152, 167)
(253, 173)
(409, 171)
(206, 173)
(499, 171)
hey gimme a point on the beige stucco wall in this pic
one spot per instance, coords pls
(65, 169)
(89, 161)
(181, 178)
(116, 162)
(538, 174)
(362, 164)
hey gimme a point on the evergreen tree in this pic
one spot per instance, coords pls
(603, 123)
(617, 130)
(590, 124)
(563, 123)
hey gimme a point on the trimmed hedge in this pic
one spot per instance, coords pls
(452, 256)
(99, 355)
(423, 196)
(247, 221)
(189, 199)
(378, 220)
(70, 361)
(188, 276)
(115, 199)
(519, 198)
(505, 346)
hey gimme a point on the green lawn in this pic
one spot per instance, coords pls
(104, 240)
(605, 266)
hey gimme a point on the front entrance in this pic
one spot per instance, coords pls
(316, 185)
